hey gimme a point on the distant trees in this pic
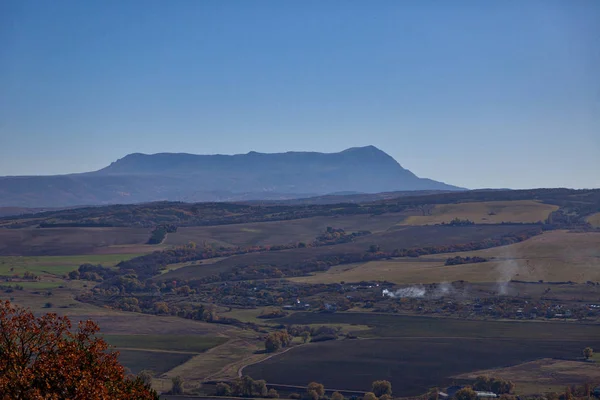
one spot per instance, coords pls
(374, 248)
(370, 396)
(43, 358)
(146, 376)
(160, 232)
(337, 396)
(244, 387)
(465, 394)
(177, 385)
(381, 388)
(588, 353)
(464, 260)
(305, 336)
(491, 384)
(223, 389)
(276, 340)
(315, 390)
(460, 222)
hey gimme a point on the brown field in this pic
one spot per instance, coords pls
(489, 212)
(400, 237)
(553, 256)
(545, 375)
(594, 219)
(68, 241)
(280, 232)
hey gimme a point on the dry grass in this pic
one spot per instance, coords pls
(553, 256)
(594, 219)
(490, 212)
(224, 361)
(544, 375)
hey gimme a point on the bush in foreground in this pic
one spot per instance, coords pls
(41, 358)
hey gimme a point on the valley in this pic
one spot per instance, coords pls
(419, 290)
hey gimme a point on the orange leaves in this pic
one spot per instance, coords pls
(42, 358)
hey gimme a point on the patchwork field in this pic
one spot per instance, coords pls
(69, 241)
(545, 375)
(489, 212)
(397, 238)
(160, 353)
(411, 365)
(415, 353)
(557, 256)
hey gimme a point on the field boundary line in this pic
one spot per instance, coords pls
(240, 371)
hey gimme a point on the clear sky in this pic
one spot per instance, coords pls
(473, 93)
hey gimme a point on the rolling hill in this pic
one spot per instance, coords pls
(187, 177)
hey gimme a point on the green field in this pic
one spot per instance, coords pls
(183, 343)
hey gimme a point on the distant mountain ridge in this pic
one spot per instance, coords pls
(188, 177)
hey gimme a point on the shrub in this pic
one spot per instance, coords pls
(223, 389)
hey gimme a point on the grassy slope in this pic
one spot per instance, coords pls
(69, 241)
(594, 219)
(280, 232)
(56, 265)
(402, 237)
(552, 256)
(544, 375)
(490, 212)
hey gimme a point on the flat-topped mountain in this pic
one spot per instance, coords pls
(188, 177)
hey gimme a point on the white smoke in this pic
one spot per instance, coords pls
(444, 289)
(413, 291)
(507, 270)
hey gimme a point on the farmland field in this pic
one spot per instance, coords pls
(545, 375)
(490, 212)
(594, 219)
(68, 241)
(411, 365)
(156, 361)
(388, 325)
(56, 265)
(557, 256)
(280, 232)
(397, 238)
(415, 353)
(183, 343)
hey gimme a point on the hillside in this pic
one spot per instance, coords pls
(186, 177)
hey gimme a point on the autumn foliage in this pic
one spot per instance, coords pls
(43, 358)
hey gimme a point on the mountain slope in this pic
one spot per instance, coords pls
(187, 177)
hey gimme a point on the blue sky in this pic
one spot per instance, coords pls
(473, 93)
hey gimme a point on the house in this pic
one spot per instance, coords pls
(486, 395)
(451, 391)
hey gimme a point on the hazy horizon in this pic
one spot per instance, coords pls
(478, 95)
